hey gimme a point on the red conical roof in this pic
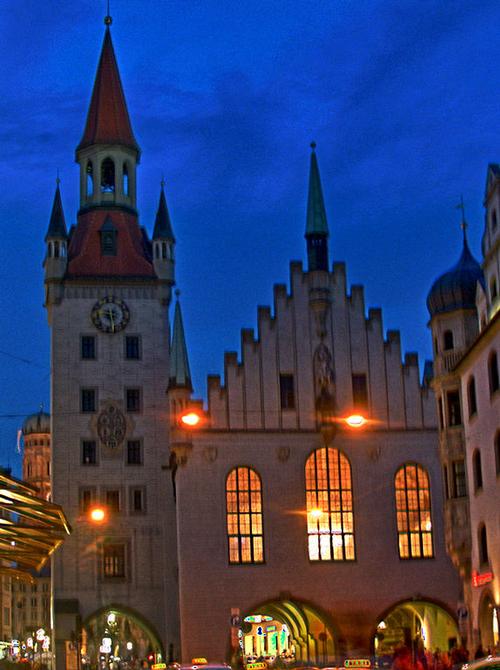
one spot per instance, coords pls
(108, 121)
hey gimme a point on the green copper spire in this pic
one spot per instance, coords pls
(180, 374)
(316, 213)
(316, 227)
(57, 224)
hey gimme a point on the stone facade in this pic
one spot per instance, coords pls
(466, 337)
(319, 337)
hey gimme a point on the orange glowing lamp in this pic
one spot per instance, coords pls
(356, 421)
(316, 513)
(191, 419)
(97, 514)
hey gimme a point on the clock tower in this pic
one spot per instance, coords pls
(108, 289)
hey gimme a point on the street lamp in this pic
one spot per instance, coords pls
(356, 421)
(97, 515)
(192, 418)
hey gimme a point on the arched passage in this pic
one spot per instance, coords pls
(118, 633)
(292, 630)
(488, 621)
(413, 623)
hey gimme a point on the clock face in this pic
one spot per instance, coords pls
(110, 314)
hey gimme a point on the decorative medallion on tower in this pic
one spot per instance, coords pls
(111, 426)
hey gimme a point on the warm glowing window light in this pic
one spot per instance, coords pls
(356, 421)
(330, 520)
(316, 512)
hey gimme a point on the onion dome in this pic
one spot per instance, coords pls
(456, 289)
(36, 423)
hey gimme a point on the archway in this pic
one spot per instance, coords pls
(118, 636)
(287, 630)
(488, 621)
(413, 623)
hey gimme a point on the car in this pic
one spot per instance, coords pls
(488, 663)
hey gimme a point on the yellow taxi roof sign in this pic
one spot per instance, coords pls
(199, 661)
(261, 665)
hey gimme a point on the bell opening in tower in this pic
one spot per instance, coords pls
(107, 176)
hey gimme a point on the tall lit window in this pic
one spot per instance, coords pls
(330, 521)
(413, 508)
(244, 516)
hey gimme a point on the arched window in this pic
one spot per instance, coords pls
(494, 220)
(447, 340)
(90, 179)
(471, 396)
(413, 509)
(482, 544)
(493, 372)
(244, 516)
(107, 176)
(164, 250)
(56, 249)
(125, 180)
(477, 470)
(330, 520)
(29, 470)
(50, 252)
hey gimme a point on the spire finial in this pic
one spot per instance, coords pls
(313, 145)
(58, 181)
(463, 225)
(162, 182)
(177, 293)
(108, 19)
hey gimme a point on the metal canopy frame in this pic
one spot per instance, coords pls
(31, 528)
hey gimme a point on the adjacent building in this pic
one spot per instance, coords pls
(464, 305)
(289, 514)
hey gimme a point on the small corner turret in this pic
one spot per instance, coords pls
(163, 242)
(56, 240)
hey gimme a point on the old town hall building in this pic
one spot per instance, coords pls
(276, 527)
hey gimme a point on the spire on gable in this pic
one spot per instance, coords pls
(108, 121)
(316, 224)
(163, 227)
(180, 374)
(57, 223)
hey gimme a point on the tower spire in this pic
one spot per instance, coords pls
(316, 225)
(180, 374)
(163, 227)
(108, 120)
(57, 223)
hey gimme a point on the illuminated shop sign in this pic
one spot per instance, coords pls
(478, 579)
(357, 663)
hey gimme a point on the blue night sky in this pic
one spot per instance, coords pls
(401, 96)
